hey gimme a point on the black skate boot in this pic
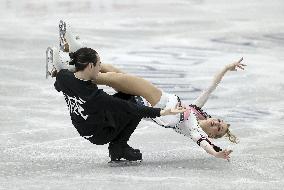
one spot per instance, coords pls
(121, 155)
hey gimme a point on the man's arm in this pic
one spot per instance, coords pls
(113, 104)
(202, 99)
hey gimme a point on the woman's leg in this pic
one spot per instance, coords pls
(130, 84)
(116, 79)
(109, 68)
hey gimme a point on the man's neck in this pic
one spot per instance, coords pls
(82, 76)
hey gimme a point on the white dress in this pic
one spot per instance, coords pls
(187, 123)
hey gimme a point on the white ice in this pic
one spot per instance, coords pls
(176, 44)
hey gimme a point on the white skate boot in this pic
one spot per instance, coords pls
(68, 42)
(57, 60)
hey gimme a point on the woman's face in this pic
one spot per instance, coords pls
(214, 127)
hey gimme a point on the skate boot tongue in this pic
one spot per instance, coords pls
(126, 146)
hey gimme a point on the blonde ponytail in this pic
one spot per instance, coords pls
(232, 137)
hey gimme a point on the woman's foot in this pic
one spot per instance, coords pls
(57, 60)
(67, 41)
(63, 45)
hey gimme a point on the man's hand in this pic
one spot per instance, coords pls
(173, 111)
(235, 65)
(223, 154)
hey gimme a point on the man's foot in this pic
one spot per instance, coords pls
(120, 151)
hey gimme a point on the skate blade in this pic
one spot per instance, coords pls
(124, 163)
(62, 31)
(49, 62)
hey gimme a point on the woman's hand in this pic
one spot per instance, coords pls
(173, 111)
(235, 65)
(223, 154)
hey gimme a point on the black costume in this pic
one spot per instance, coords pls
(99, 117)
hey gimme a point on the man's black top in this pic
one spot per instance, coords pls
(92, 110)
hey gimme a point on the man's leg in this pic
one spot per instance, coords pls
(118, 147)
(126, 132)
(105, 68)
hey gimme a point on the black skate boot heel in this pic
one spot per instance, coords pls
(115, 152)
(115, 156)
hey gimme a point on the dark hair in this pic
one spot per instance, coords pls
(82, 57)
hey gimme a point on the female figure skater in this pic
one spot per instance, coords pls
(98, 116)
(194, 123)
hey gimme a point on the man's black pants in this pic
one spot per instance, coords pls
(123, 133)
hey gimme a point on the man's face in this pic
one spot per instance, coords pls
(94, 70)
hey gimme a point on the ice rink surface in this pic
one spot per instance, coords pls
(178, 45)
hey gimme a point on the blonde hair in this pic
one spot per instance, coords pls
(231, 137)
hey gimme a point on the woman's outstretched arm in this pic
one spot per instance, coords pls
(225, 154)
(202, 99)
